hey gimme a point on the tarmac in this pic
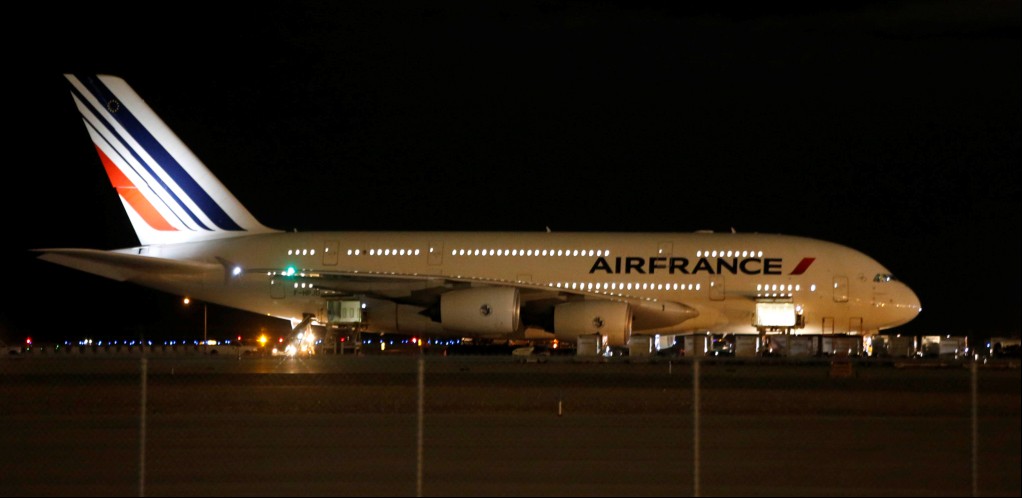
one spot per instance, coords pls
(469, 426)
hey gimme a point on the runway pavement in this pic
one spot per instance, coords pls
(354, 426)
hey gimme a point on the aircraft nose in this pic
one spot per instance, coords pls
(908, 304)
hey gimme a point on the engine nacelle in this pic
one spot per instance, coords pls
(486, 310)
(608, 318)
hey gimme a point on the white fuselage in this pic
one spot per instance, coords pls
(721, 276)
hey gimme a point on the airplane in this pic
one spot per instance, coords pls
(196, 239)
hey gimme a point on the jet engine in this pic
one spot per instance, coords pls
(486, 310)
(608, 318)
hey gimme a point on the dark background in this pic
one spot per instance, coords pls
(890, 127)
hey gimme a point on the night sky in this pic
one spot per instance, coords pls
(890, 127)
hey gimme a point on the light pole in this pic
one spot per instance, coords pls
(205, 321)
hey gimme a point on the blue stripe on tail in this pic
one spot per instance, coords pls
(163, 158)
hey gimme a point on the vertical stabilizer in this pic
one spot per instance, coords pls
(169, 194)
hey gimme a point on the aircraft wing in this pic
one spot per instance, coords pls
(538, 300)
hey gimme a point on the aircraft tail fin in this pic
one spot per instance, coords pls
(169, 194)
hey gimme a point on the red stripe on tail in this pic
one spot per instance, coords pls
(135, 199)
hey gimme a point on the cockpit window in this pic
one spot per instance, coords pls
(884, 277)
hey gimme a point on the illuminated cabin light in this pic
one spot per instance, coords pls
(629, 286)
(835, 285)
(575, 253)
(699, 254)
(236, 271)
(745, 253)
(759, 287)
(312, 252)
(514, 252)
(529, 252)
(760, 254)
(729, 253)
(349, 252)
(401, 252)
(358, 252)
(798, 288)
(699, 286)
(290, 252)
(417, 251)
(491, 252)
(714, 254)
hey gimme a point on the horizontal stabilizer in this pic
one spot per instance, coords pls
(120, 266)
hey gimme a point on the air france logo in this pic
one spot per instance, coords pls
(685, 266)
